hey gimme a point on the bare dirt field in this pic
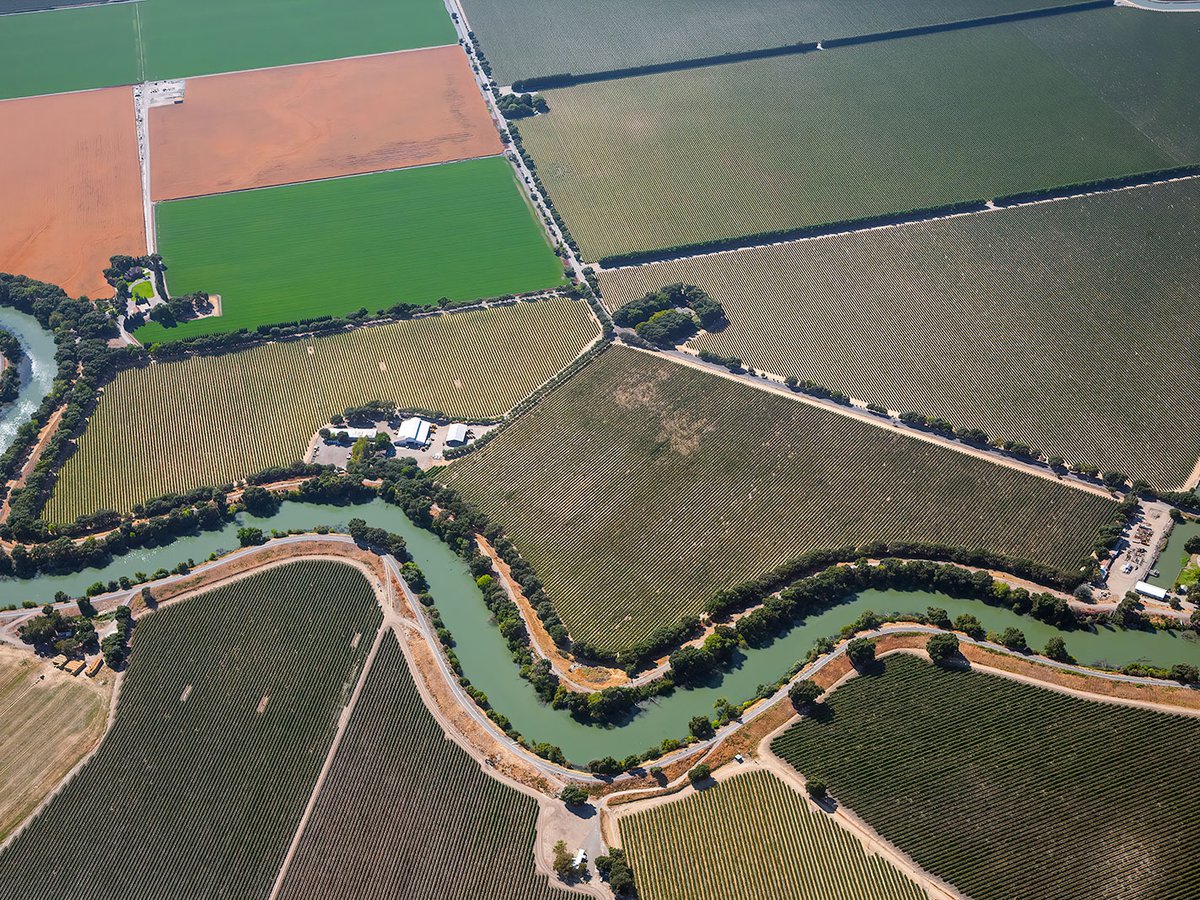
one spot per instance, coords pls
(320, 120)
(71, 187)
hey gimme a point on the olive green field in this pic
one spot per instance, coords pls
(640, 487)
(209, 420)
(461, 231)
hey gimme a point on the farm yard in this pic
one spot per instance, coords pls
(537, 38)
(1069, 326)
(123, 43)
(302, 123)
(71, 189)
(640, 487)
(681, 158)
(1038, 785)
(225, 717)
(213, 419)
(50, 721)
(462, 231)
(398, 790)
(752, 837)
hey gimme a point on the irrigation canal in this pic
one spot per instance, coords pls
(486, 661)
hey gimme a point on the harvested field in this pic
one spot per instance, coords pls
(1049, 795)
(684, 483)
(478, 363)
(528, 38)
(50, 721)
(302, 123)
(71, 188)
(752, 837)
(462, 231)
(67, 50)
(746, 148)
(182, 38)
(1043, 325)
(197, 793)
(399, 783)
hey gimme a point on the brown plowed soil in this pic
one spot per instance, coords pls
(320, 120)
(70, 186)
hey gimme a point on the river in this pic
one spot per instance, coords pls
(37, 371)
(486, 661)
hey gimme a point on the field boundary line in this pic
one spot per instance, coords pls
(344, 717)
(69, 7)
(916, 217)
(683, 358)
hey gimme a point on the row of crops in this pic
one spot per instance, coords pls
(1008, 790)
(752, 836)
(209, 420)
(640, 487)
(225, 717)
(1078, 339)
(404, 812)
(680, 158)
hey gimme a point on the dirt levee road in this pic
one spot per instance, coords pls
(71, 187)
(321, 120)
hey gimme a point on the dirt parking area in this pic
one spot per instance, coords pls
(70, 187)
(332, 453)
(319, 120)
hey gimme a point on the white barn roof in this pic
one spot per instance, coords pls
(413, 431)
(456, 433)
(1150, 590)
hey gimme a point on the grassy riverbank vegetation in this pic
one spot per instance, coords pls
(752, 837)
(640, 487)
(1021, 345)
(1038, 784)
(224, 720)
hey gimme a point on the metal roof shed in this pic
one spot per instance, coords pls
(456, 434)
(413, 432)
(1150, 590)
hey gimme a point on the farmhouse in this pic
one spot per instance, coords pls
(456, 434)
(413, 432)
(1150, 590)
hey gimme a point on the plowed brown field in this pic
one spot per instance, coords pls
(321, 120)
(70, 187)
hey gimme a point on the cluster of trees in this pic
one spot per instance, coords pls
(124, 270)
(615, 869)
(816, 390)
(660, 319)
(521, 106)
(694, 665)
(564, 863)
(115, 646)
(732, 363)
(52, 632)
(178, 309)
(385, 541)
(10, 379)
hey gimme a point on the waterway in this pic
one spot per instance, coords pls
(1173, 557)
(486, 661)
(37, 371)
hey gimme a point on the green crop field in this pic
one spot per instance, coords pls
(68, 50)
(526, 38)
(225, 717)
(640, 487)
(406, 813)
(1009, 790)
(753, 838)
(100, 46)
(462, 231)
(182, 38)
(1078, 339)
(213, 419)
(746, 148)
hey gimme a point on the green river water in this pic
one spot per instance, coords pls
(486, 661)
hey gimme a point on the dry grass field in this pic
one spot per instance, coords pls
(49, 724)
(70, 188)
(321, 120)
(209, 420)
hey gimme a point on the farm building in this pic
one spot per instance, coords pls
(1150, 590)
(456, 434)
(353, 433)
(413, 432)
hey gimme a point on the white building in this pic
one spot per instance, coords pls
(413, 432)
(456, 434)
(353, 433)
(1150, 590)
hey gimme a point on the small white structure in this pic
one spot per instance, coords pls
(1150, 590)
(353, 433)
(580, 858)
(413, 432)
(456, 434)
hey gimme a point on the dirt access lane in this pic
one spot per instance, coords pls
(70, 187)
(319, 120)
